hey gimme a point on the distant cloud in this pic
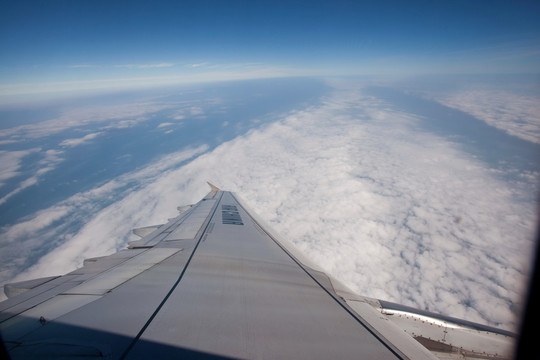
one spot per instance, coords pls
(197, 65)
(165, 124)
(11, 161)
(19, 241)
(79, 141)
(358, 187)
(519, 115)
(23, 185)
(83, 66)
(145, 66)
(111, 116)
(196, 111)
(50, 159)
(225, 72)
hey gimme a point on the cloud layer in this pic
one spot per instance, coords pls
(518, 115)
(10, 162)
(79, 141)
(394, 212)
(66, 249)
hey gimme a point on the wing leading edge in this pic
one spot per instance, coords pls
(217, 282)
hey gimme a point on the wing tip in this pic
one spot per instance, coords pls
(213, 191)
(213, 187)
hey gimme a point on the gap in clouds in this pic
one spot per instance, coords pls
(21, 248)
(517, 115)
(103, 137)
(508, 102)
(513, 156)
(70, 183)
(394, 211)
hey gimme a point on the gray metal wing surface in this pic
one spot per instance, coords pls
(216, 282)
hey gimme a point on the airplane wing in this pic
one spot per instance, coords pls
(217, 282)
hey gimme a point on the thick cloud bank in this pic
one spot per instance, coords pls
(519, 115)
(392, 210)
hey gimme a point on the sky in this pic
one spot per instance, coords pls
(88, 45)
(395, 143)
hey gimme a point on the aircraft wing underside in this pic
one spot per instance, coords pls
(216, 282)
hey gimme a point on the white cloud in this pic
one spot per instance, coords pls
(224, 72)
(112, 116)
(394, 212)
(165, 124)
(196, 65)
(517, 114)
(79, 141)
(196, 111)
(23, 185)
(145, 66)
(10, 162)
(19, 241)
(83, 66)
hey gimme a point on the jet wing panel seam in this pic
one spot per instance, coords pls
(378, 336)
(175, 285)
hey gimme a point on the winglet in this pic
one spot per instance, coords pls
(213, 187)
(213, 191)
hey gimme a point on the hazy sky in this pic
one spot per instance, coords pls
(68, 45)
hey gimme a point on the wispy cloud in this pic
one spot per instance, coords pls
(165, 124)
(11, 162)
(79, 141)
(196, 65)
(214, 73)
(55, 223)
(196, 111)
(145, 66)
(83, 66)
(23, 185)
(111, 116)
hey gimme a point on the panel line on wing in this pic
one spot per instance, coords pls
(369, 328)
(35, 317)
(189, 228)
(211, 213)
(118, 275)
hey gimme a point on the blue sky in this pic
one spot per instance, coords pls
(71, 45)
